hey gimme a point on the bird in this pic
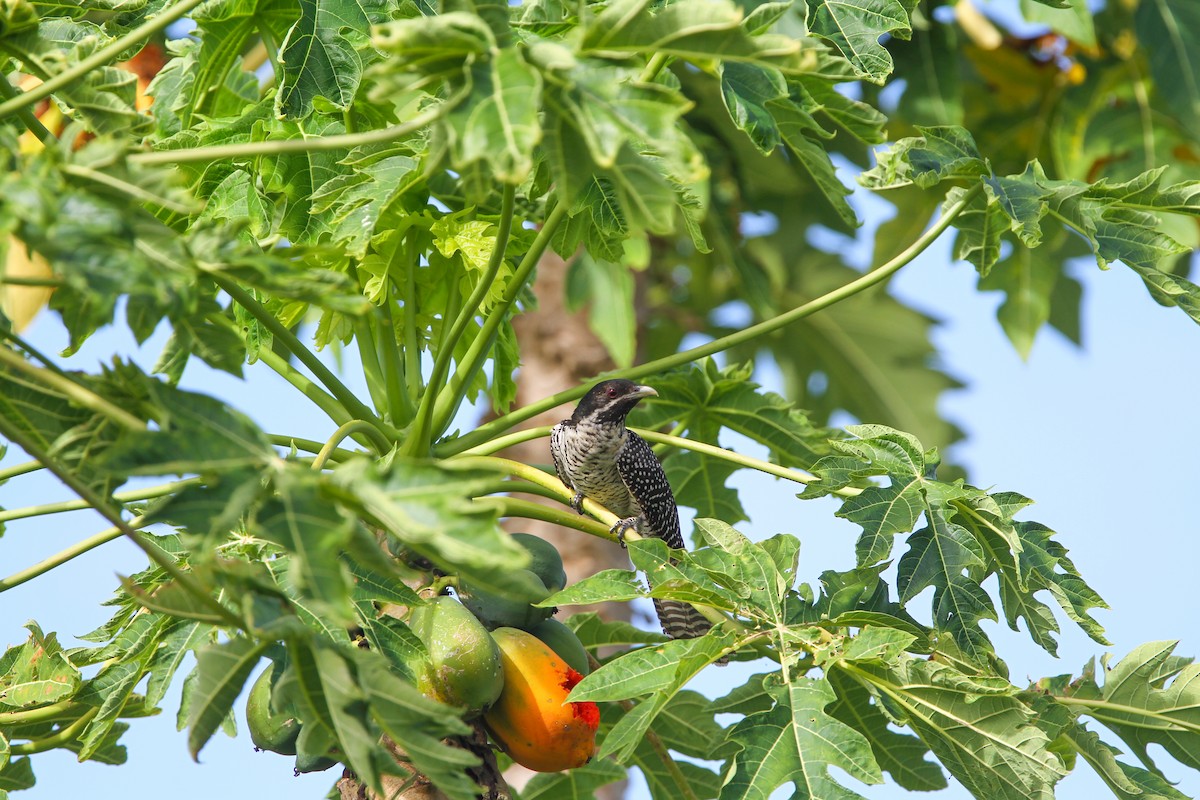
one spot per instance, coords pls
(597, 457)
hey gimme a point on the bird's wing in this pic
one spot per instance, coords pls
(645, 479)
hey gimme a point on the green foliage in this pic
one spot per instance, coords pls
(385, 175)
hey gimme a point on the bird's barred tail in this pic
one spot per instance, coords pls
(682, 621)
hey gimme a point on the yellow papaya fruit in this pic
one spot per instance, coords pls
(532, 720)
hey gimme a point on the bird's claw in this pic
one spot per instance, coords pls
(622, 527)
(577, 502)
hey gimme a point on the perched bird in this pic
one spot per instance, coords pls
(596, 456)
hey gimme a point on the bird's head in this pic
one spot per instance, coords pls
(611, 401)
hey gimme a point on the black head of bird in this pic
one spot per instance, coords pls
(611, 401)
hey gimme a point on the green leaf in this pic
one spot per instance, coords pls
(1167, 32)
(981, 733)
(427, 507)
(708, 398)
(980, 226)
(498, 122)
(575, 784)
(195, 434)
(16, 775)
(692, 29)
(321, 55)
(36, 673)
(938, 154)
(313, 530)
(653, 669)
(608, 288)
(1138, 705)
(595, 633)
(797, 741)
(702, 482)
(221, 670)
(605, 586)
(900, 755)
(1070, 18)
(854, 28)
(418, 725)
(748, 90)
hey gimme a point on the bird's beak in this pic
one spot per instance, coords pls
(644, 391)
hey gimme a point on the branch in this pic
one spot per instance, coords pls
(30, 120)
(65, 555)
(79, 505)
(310, 446)
(487, 431)
(341, 433)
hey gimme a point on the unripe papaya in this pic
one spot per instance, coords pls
(270, 730)
(544, 560)
(563, 641)
(463, 668)
(499, 611)
(532, 721)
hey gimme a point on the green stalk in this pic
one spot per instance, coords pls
(315, 144)
(400, 405)
(341, 433)
(26, 115)
(65, 555)
(124, 187)
(17, 470)
(478, 351)
(104, 55)
(42, 714)
(322, 399)
(364, 338)
(58, 739)
(430, 413)
(548, 482)
(513, 507)
(352, 404)
(102, 505)
(412, 346)
(507, 440)
(78, 394)
(308, 445)
(79, 505)
(487, 431)
(13, 280)
(653, 67)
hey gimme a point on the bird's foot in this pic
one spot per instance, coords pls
(577, 502)
(622, 527)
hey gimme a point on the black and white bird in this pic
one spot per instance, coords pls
(598, 457)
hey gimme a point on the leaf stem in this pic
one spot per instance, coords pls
(17, 470)
(514, 507)
(314, 144)
(341, 433)
(1166, 721)
(26, 115)
(65, 555)
(102, 505)
(477, 353)
(653, 67)
(57, 739)
(308, 445)
(446, 404)
(76, 393)
(368, 353)
(124, 187)
(507, 440)
(546, 481)
(400, 405)
(42, 714)
(488, 430)
(104, 55)
(13, 280)
(352, 404)
(79, 505)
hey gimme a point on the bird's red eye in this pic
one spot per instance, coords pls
(611, 391)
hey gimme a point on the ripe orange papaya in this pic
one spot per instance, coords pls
(532, 721)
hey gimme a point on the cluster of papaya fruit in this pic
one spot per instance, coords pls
(509, 661)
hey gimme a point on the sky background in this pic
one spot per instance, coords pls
(1100, 437)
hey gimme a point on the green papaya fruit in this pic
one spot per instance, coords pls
(270, 730)
(562, 640)
(463, 668)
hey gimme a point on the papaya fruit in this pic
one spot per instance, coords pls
(270, 730)
(463, 668)
(563, 641)
(544, 560)
(531, 721)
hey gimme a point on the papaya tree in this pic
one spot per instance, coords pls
(346, 202)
